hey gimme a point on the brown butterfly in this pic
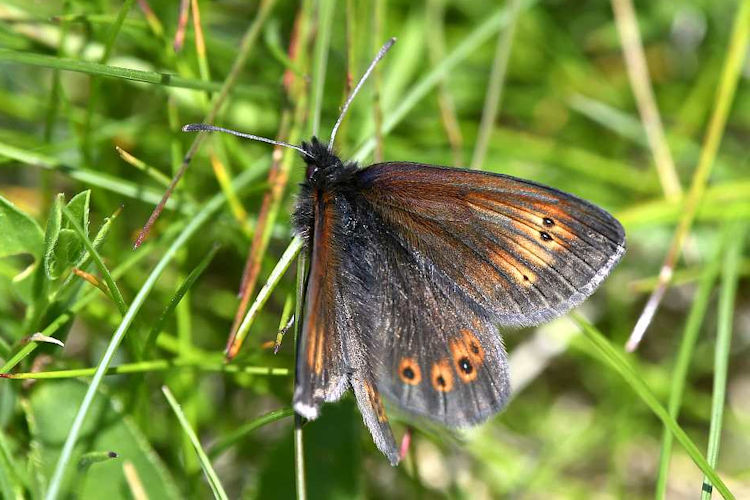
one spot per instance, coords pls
(412, 269)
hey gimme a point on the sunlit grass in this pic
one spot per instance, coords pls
(91, 90)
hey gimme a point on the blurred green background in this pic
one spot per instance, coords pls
(92, 98)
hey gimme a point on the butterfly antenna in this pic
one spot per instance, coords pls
(383, 50)
(199, 127)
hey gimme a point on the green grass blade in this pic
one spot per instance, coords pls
(729, 277)
(684, 356)
(207, 364)
(495, 85)
(92, 68)
(294, 248)
(617, 362)
(299, 443)
(208, 470)
(181, 291)
(236, 435)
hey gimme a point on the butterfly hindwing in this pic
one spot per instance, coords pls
(334, 344)
(321, 367)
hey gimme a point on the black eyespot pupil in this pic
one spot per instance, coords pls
(548, 222)
(440, 381)
(545, 236)
(525, 278)
(465, 366)
(408, 373)
(475, 348)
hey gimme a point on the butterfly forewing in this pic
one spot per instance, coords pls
(522, 252)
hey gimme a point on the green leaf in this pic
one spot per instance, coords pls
(51, 234)
(63, 248)
(51, 410)
(79, 207)
(20, 233)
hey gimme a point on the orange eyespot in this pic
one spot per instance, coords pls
(442, 376)
(466, 357)
(409, 371)
(373, 397)
(474, 349)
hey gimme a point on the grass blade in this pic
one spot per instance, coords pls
(175, 300)
(230, 439)
(684, 356)
(617, 362)
(729, 277)
(208, 470)
(492, 100)
(294, 248)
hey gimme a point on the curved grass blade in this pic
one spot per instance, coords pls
(230, 439)
(684, 356)
(181, 291)
(208, 470)
(617, 362)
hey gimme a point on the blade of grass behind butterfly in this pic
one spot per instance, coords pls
(495, 85)
(197, 360)
(246, 45)
(208, 210)
(278, 177)
(188, 283)
(617, 361)
(736, 51)
(685, 353)
(213, 480)
(481, 34)
(435, 12)
(729, 277)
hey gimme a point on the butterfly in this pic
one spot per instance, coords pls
(412, 269)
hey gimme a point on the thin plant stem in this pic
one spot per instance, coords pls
(738, 45)
(492, 100)
(684, 356)
(299, 448)
(155, 365)
(208, 470)
(246, 46)
(729, 277)
(467, 47)
(640, 82)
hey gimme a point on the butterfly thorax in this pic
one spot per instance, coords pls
(327, 176)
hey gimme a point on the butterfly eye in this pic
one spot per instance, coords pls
(377, 404)
(409, 371)
(442, 376)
